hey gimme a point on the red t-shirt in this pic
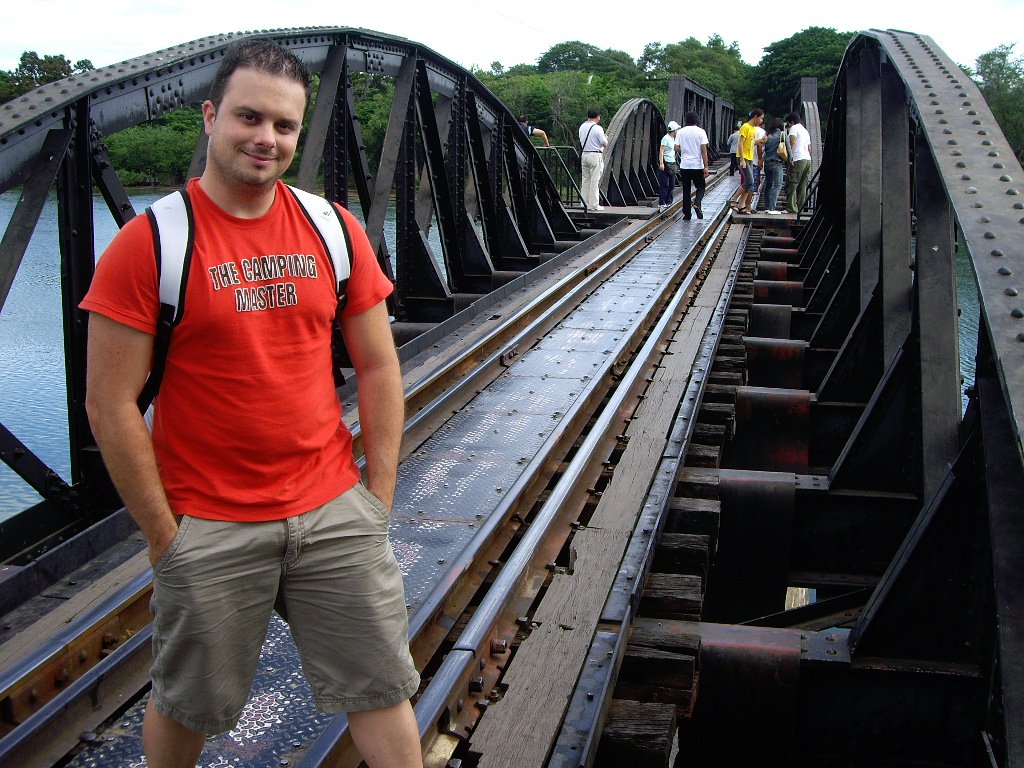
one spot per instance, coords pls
(247, 425)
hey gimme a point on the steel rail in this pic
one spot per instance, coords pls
(592, 700)
(438, 694)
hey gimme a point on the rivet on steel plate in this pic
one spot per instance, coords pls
(971, 190)
(990, 235)
(1017, 313)
(1011, 291)
(1020, 337)
(997, 253)
(440, 561)
(965, 177)
(998, 166)
(1005, 271)
(984, 219)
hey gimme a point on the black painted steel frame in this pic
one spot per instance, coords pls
(453, 158)
(631, 160)
(894, 487)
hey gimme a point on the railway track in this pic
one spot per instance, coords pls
(529, 432)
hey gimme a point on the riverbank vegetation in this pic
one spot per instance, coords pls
(556, 91)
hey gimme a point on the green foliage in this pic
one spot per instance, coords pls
(1001, 79)
(575, 56)
(814, 52)
(34, 70)
(716, 66)
(158, 152)
(373, 96)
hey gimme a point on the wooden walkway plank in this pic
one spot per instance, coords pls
(540, 678)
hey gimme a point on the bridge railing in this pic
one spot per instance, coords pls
(563, 165)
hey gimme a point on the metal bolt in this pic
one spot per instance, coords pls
(499, 647)
(476, 685)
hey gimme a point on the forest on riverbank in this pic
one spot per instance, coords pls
(556, 91)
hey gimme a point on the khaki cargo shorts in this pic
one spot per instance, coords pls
(332, 576)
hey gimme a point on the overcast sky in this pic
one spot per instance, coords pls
(475, 33)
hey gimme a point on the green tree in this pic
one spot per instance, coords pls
(158, 152)
(574, 56)
(716, 66)
(34, 70)
(1001, 79)
(814, 52)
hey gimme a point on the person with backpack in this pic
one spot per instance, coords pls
(247, 490)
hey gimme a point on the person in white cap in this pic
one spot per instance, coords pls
(668, 165)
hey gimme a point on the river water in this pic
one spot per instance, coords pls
(33, 403)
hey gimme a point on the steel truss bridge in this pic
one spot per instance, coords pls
(631, 436)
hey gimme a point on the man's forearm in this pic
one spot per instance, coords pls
(127, 452)
(381, 421)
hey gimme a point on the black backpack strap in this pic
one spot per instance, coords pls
(173, 227)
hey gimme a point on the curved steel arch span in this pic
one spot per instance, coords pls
(915, 177)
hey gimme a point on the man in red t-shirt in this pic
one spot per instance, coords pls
(247, 491)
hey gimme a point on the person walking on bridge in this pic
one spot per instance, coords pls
(693, 164)
(592, 145)
(799, 163)
(247, 491)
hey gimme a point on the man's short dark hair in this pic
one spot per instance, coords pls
(690, 118)
(793, 117)
(263, 56)
(522, 119)
(593, 112)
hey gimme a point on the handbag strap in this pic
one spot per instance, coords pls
(583, 146)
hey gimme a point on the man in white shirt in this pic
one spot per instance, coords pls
(592, 145)
(694, 168)
(799, 163)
